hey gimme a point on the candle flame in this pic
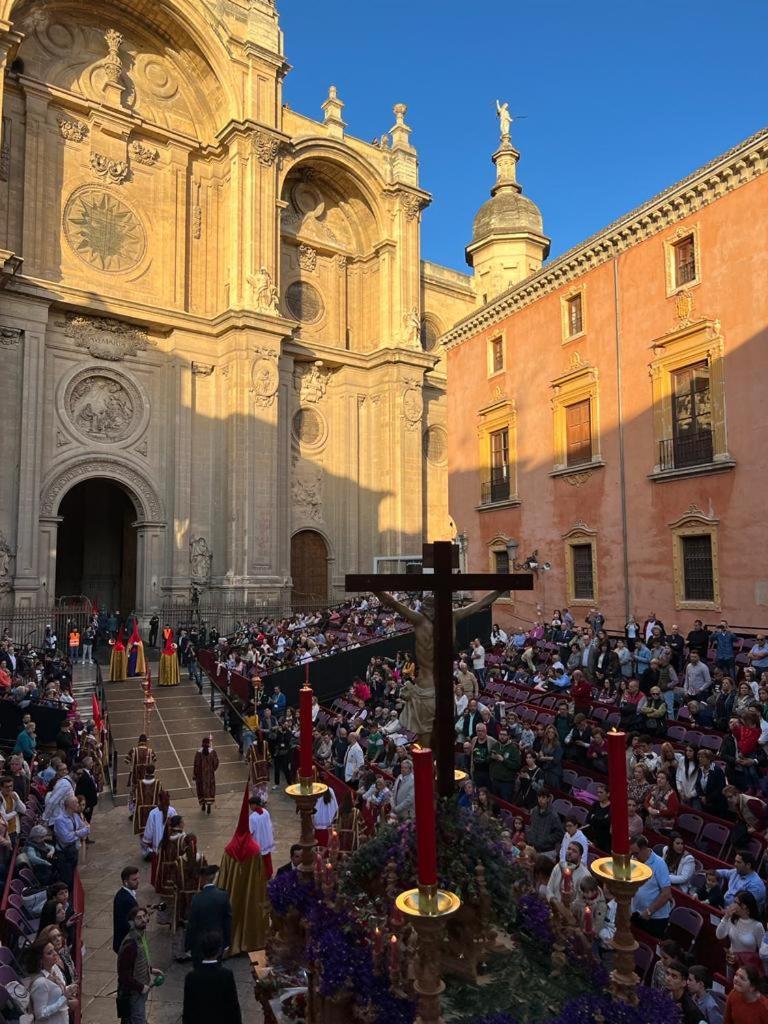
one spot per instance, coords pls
(393, 940)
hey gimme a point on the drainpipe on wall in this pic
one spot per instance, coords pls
(620, 416)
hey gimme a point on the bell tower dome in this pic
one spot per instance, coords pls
(508, 240)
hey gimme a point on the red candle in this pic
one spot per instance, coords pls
(394, 955)
(305, 742)
(426, 839)
(567, 880)
(617, 782)
(328, 873)
(377, 939)
(333, 845)
(588, 928)
(318, 865)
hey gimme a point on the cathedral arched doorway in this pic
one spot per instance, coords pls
(309, 568)
(96, 548)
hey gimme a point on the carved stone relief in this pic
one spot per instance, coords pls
(147, 502)
(310, 381)
(103, 230)
(265, 376)
(10, 337)
(105, 338)
(113, 171)
(142, 154)
(307, 491)
(202, 369)
(266, 147)
(71, 130)
(102, 406)
(413, 405)
(307, 258)
(5, 150)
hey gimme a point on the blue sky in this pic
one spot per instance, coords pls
(622, 99)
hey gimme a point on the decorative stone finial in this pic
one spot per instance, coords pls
(332, 109)
(400, 132)
(113, 65)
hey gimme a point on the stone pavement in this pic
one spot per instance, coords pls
(183, 714)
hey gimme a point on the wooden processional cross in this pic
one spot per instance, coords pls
(443, 558)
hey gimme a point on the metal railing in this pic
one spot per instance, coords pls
(28, 625)
(496, 488)
(680, 452)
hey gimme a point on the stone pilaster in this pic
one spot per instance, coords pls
(150, 551)
(181, 432)
(27, 578)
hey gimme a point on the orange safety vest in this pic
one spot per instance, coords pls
(74, 638)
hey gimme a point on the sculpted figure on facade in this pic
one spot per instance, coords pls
(264, 292)
(6, 557)
(200, 560)
(412, 325)
(505, 120)
(310, 380)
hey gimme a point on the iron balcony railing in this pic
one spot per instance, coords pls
(689, 450)
(495, 488)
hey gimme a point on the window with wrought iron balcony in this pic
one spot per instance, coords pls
(496, 487)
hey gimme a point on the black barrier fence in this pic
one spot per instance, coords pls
(330, 677)
(47, 720)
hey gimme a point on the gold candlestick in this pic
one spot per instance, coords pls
(427, 909)
(623, 877)
(305, 792)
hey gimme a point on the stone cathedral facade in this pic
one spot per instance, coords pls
(219, 346)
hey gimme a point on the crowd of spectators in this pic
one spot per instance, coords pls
(532, 707)
(46, 805)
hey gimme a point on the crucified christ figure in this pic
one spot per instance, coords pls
(418, 713)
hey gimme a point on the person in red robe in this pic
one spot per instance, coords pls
(204, 775)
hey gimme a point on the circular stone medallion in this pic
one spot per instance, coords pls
(103, 230)
(308, 427)
(304, 302)
(436, 445)
(103, 405)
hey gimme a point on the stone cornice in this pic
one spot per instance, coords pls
(739, 165)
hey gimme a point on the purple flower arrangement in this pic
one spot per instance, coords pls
(535, 919)
(339, 945)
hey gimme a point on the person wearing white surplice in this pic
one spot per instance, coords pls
(326, 809)
(260, 825)
(155, 827)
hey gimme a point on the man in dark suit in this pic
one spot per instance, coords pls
(210, 911)
(124, 902)
(86, 787)
(293, 863)
(210, 992)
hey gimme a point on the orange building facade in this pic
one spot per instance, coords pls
(608, 414)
